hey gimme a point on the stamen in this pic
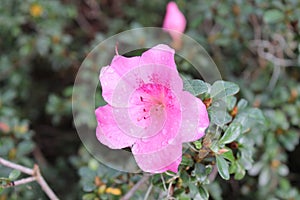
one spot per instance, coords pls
(145, 100)
(143, 117)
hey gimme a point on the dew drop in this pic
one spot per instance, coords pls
(170, 141)
(164, 131)
(164, 143)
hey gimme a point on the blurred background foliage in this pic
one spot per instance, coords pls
(254, 43)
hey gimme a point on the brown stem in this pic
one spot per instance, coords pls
(36, 176)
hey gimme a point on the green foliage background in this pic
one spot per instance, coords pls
(255, 44)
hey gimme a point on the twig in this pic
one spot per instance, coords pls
(170, 192)
(20, 182)
(24, 181)
(40, 179)
(264, 44)
(36, 176)
(131, 192)
(274, 78)
(16, 166)
(163, 182)
(148, 192)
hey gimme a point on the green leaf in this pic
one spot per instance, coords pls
(223, 167)
(200, 172)
(264, 177)
(203, 193)
(273, 16)
(13, 175)
(187, 161)
(228, 155)
(242, 104)
(25, 147)
(198, 144)
(221, 89)
(193, 189)
(239, 172)
(231, 133)
(88, 186)
(257, 114)
(196, 87)
(231, 101)
(215, 190)
(89, 196)
(218, 113)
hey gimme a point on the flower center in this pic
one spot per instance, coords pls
(148, 102)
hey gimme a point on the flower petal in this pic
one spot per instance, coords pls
(172, 167)
(162, 132)
(111, 75)
(127, 74)
(165, 159)
(194, 118)
(159, 55)
(108, 132)
(149, 74)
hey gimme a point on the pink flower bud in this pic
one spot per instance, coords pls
(174, 22)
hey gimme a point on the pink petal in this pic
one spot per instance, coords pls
(165, 159)
(108, 132)
(172, 167)
(136, 78)
(159, 55)
(161, 133)
(194, 118)
(174, 21)
(111, 75)
(125, 75)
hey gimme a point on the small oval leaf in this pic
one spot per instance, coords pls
(223, 167)
(231, 133)
(14, 175)
(221, 89)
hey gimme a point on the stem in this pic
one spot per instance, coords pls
(40, 179)
(21, 168)
(135, 188)
(163, 182)
(36, 176)
(169, 196)
(148, 192)
(274, 78)
(23, 181)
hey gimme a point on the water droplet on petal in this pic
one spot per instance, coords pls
(170, 141)
(164, 143)
(164, 131)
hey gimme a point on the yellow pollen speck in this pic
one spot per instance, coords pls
(36, 10)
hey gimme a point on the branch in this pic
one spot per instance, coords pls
(21, 168)
(264, 44)
(40, 179)
(135, 187)
(19, 182)
(36, 176)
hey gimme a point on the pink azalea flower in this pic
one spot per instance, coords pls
(148, 110)
(174, 22)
